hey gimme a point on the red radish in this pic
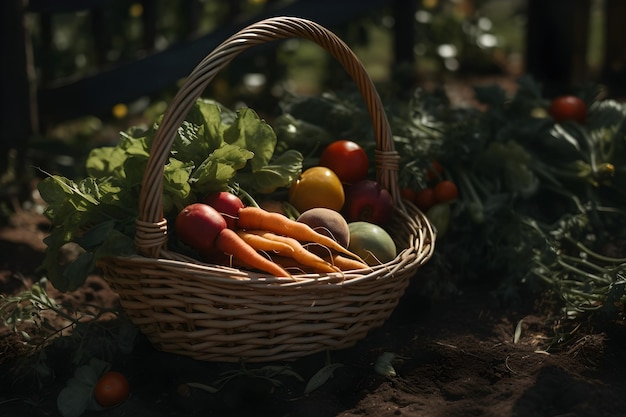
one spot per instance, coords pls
(227, 204)
(198, 226)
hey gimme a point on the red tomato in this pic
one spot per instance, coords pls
(347, 159)
(445, 191)
(368, 201)
(111, 389)
(408, 194)
(568, 108)
(425, 199)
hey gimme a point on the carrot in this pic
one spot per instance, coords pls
(298, 252)
(291, 264)
(259, 242)
(259, 219)
(342, 262)
(346, 264)
(230, 243)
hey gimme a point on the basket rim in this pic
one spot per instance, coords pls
(417, 252)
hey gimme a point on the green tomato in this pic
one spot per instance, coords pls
(371, 242)
(439, 216)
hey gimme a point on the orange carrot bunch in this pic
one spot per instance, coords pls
(261, 240)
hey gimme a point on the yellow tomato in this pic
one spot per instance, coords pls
(317, 187)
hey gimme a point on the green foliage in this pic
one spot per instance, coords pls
(43, 324)
(214, 149)
(26, 306)
(519, 175)
(527, 171)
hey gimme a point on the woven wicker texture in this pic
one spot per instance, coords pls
(216, 313)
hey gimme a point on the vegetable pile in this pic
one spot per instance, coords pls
(222, 167)
(527, 193)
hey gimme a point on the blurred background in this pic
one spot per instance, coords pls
(76, 72)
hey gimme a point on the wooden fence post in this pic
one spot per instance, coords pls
(18, 118)
(556, 43)
(614, 68)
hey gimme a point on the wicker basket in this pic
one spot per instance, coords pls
(216, 313)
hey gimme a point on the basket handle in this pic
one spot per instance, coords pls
(150, 223)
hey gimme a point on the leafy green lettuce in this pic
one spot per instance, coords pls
(214, 149)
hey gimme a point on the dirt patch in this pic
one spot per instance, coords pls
(460, 356)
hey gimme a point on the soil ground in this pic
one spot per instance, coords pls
(458, 356)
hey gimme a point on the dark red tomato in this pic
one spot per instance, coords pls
(408, 194)
(568, 108)
(368, 201)
(446, 191)
(425, 199)
(347, 159)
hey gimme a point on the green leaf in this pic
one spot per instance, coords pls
(110, 160)
(607, 114)
(134, 171)
(176, 186)
(251, 133)
(219, 168)
(105, 161)
(96, 234)
(217, 118)
(76, 397)
(282, 172)
(321, 377)
(116, 244)
(384, 364)
(73, 401)
(76, 273)
(292, 133)
(59, 191)
(189, 144)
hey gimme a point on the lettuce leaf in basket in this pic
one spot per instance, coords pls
(220, 167)
(280, 172)
(214, 149)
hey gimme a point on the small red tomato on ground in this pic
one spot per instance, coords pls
(445, 191)
(568, 108)
(425, 199)
(347, 159)
(111, 389)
